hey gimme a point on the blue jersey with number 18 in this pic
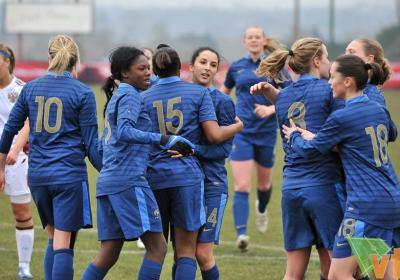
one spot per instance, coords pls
(176, 108)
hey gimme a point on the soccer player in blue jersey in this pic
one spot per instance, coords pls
(204, 66)
(370, 51)
(16, 186)
(149, 55)
(257, 141)
(311, 212)
(361, 132)
(180, 108)
(126, 207)
(62, 116)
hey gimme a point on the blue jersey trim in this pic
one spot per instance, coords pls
(202, 210)
(358, 99)
(64, 74)
(221, 209)
(87, 216)
(168, 80)
(144, 216)
(307, 77)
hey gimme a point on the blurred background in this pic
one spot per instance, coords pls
(102, 25)
(99, 26)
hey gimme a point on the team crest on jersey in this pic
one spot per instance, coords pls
(156, 213)
(12, 96)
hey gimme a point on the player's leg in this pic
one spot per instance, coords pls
(326, 214)
(17, 188)
(342, 268)
(156, 249)
(264, 191)
(296, 263)
(209, 234)
(298, 233)
(71, 210)
(241, 161)
(188, 216)
(24, 233)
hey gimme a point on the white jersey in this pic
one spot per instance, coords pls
(8, 97)
(16, 175)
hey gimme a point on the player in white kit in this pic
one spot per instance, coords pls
(16, 185)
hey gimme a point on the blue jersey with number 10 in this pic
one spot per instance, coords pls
(176, 108)
(63, 120)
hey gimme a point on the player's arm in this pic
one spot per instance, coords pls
(22, 138)
(229, 82)
(392, 127)
(215, 133)
(89, 129)
(324, 141)
(268, 90)
(225, 89)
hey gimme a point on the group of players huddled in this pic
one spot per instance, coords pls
(162, 154)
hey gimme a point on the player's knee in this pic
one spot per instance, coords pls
(242, 187)
(334, 275)
(204, 259)
(265, 186)
(157, 250)
(24, 224)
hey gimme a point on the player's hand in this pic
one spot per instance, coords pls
(12, 157)
(2, 180)
(239, 124)
(263, 88)
(264, 111)
(177, 143)
(288, 130)
(307, 135)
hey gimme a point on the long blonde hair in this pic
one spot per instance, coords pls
(301, 53)
(8, 54)
(63, 53)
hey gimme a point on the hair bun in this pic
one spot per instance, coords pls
(367, 66)
(162, 46)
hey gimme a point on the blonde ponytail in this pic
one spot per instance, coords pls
(63, 54)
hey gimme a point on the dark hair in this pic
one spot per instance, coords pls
(202, 49)
(121, 60)
(166, 61)
(7, 52)
(353, 66)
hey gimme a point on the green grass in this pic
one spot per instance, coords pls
(264, 260)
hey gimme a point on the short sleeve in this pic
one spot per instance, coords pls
(206, 109)
(229, 80)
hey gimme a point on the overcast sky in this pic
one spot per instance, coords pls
(227, 4)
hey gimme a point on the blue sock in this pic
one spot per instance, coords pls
(173, 272)
(150, 270)
(48, 260)
(63, 267)
(212, 274)
(241, 211)
(93, 272)
(185, 269)
(263, 199)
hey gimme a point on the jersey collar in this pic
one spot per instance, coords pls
(358, 99)
(127, 86)
(168, 80)
(63, 74)
(307, 77)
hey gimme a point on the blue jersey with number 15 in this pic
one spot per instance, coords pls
(176, 108)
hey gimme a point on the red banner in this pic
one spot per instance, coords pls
(97, 72)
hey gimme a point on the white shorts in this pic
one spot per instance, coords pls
(16, 177)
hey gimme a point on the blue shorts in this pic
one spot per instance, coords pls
(342, 195)
(357, 228)
(181, 207)
(215, 206)
(244, 148)
(127, 214)
(66, 207)
(310, 216)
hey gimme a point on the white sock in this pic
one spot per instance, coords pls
(25, 246)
